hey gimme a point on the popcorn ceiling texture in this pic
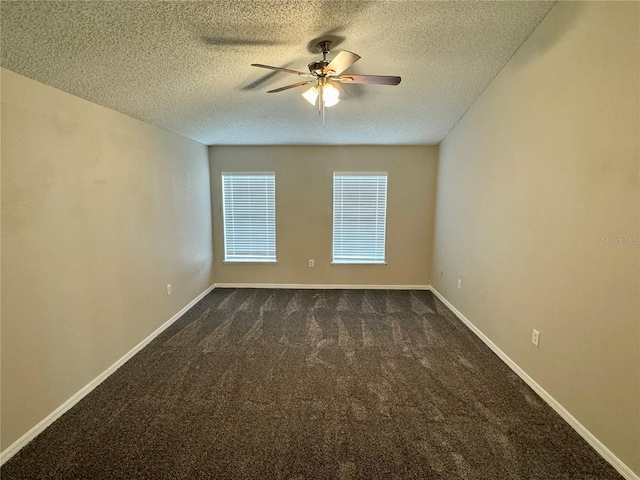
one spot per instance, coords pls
(185, 66)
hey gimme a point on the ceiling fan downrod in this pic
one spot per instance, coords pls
(316, 68)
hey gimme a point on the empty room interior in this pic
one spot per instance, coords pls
(428, 266)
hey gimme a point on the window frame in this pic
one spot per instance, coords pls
(343, 259)
(269, 196)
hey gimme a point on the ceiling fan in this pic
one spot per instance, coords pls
(327, 77)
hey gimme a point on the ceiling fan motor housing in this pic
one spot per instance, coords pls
(317, 68)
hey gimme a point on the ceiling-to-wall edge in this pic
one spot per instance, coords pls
(101, 106)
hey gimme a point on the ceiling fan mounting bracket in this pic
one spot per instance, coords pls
(324, 47)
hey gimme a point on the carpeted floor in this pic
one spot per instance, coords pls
(310, 384)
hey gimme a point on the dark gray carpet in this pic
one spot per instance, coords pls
(308, 384)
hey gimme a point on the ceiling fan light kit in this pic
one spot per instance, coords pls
(329, 93)
(327, 76)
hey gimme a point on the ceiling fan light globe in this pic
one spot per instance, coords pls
(330, 102)
(330, 93)
(311, 95)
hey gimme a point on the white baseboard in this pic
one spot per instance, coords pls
(322, 286)
(83, 392)
(607, 454)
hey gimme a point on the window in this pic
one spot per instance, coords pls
(249, 211)
(359, 217)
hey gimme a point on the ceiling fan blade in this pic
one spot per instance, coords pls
(369, 79)
(281, 69)
(342, 61)
(294, 85)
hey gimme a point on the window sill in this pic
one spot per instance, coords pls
(250, 261)
(357, 262)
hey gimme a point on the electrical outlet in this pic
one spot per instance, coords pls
(441, 273)
(168, 289)
(535, 337)
(459, 284)
(312, 263)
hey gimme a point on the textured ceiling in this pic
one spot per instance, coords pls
(185, 66)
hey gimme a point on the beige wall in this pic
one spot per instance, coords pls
(99, 213)
(304, 202)
(534, 176)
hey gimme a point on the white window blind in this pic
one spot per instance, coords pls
(359, 217)
(249, 211)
